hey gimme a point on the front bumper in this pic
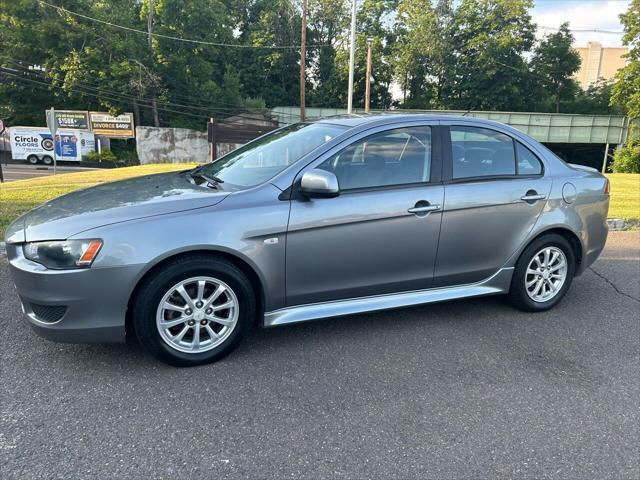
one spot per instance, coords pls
(73, 306)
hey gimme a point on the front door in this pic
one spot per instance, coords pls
(494, 194)
(380, 235)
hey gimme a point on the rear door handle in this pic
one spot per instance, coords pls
(428, 208)
(532, 196)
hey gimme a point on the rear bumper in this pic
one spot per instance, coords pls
(73, 306)
(596, 231)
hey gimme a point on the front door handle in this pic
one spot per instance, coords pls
(423, 207)
(532, 196)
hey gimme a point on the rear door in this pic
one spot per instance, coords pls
(380, 235)
(495, 189)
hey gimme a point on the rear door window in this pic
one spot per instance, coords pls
(528, 162)
(481, 152)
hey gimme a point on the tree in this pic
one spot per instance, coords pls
(626, 90)
(327, 23)
(372, 22)
(84, 65)
(269, 73)
(593, 101)
(554, 63)
(484, 67)
(27, 57)
(413, 58)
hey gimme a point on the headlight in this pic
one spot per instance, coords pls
(62, 255)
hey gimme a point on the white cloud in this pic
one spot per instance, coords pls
(582, 15)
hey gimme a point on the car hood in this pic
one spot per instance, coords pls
(113, 203)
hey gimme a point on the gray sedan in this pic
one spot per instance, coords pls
(314, 220)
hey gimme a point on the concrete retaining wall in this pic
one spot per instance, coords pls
(175, 145)
(171, 145)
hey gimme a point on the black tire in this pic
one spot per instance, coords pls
(518, 295)
(47, 160)
(151, 292)
(33, 159)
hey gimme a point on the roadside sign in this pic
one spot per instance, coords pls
(1, 127)
(115, 127)
(77, 120)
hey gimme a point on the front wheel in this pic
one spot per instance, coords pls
(47, 160)
(543, 274)
(193, 311)
(33, 159)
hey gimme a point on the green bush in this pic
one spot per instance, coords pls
(104, 156)
(92, 157)
(108, 156)
(626, 159)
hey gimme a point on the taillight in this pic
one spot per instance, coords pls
(607, 188)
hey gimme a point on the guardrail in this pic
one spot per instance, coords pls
(544, 127)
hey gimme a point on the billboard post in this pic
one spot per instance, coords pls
(51, 124)
(4, 150)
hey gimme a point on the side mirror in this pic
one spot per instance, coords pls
(320, 184)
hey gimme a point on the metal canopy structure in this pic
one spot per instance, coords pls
(544, 127)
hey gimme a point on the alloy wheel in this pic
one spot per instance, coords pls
(546, 274)
(197, 314)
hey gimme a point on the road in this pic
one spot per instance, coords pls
(468, 389)
(15, 171)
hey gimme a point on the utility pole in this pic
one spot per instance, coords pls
(154, 100)
(367, 85)
(303, 51)
(352, 56)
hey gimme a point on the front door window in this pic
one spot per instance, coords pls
(394, 157)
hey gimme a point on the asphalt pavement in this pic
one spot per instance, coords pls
(14, 171)
(467, 389)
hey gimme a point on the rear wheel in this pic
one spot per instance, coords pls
(194, 311)
(33, 159)
(543, 274)
(47, 160)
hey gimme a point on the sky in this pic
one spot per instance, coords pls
(582, 15)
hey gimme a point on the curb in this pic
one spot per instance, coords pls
(616, 224)
(3, 250)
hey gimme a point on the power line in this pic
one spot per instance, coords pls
(126, 98)
(23, 64)
(581, 30)
(170, 37)
(574, 1)
(143, 103)
(96, 95)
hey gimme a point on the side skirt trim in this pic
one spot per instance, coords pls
(498, 283)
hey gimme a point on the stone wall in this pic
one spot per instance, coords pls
(175, 145)
(171, 145)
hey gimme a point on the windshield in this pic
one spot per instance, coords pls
(262, 159)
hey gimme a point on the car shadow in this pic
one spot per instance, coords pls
(280, 340)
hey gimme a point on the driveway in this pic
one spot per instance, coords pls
(468, 389)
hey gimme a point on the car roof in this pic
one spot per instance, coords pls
(357, 119)
(380, 119)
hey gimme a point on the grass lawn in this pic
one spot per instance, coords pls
(625, 196)
(22, 195)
